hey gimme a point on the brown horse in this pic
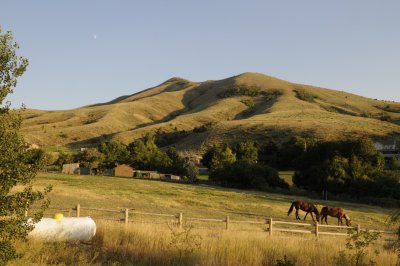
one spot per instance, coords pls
(304, 206)
(335, 212)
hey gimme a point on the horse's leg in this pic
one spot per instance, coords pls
(297, 214)
(306, 216)
(312, 217)
(326, 219)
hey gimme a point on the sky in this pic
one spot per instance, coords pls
(85, 52)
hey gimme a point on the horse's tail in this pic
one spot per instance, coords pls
(291, 208)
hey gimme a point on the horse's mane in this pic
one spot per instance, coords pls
(347, 217)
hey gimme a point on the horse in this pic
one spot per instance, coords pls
(335, 212)
(304, 206)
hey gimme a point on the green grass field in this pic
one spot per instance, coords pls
(192, 200)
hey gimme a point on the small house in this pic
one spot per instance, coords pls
(70, 168)
(123, 170)
(171, 177)
(146, 174)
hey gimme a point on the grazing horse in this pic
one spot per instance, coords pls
(304, 206)
(335, 212)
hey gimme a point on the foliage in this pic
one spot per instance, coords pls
(248, 102)
(218, 156)
(246, 151)
(180, 166)
(292, 150)
(17, 167)
(146, 155)
(191, 171)
(184, 240)
(39, 157)
(269, 154)
(166, 139)
(393, 163)
(114, 153)
(244, 174)
(64, 158)
(249, 90)
(357, 246)
(90, 158)
(304, 95)
(353, 167)
(240, 90)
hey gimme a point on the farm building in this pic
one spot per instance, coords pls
(70, 168)
(170, 177)
(389, 149)
(146, 174)
(123, 170)
(74, 169)
(84, 171)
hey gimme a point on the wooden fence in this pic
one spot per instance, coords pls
(271, 224)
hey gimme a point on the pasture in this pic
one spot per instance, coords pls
(153, 244)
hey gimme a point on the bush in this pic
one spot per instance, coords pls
(244, 174)
(304, 95)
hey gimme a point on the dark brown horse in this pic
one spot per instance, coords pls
(304, 206)
(335, 212)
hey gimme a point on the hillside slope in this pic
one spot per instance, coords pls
(194, 115)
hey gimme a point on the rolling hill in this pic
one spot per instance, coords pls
(194, 115)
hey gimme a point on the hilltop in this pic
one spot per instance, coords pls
(194, 115)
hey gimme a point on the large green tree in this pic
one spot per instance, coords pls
(350, 166)
(218, 156)
(147, 156)
(15, 168)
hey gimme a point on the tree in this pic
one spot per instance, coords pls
(15, 169)
(244, 174)
(291, 151)
(268, 154)
(354, 167)
(90, 158)
(114, 153)
(146, 155)
(247, 151)
(64, 158)
(218, 156)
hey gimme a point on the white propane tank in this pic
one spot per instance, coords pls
(64, 229)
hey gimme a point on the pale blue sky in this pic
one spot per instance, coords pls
(84, 52)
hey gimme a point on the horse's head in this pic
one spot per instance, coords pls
(348, 220)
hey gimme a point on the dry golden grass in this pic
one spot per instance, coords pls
(179, 104)
(140, 244)
(143, 243)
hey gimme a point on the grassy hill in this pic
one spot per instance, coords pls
(249, 105)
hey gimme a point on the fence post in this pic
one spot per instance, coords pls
(316, 228)
(78, 210)
(227, 222)
(358, 229)
(180, 220)
(270, 226)
(126, 218)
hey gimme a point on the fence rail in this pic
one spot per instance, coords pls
(130, 216)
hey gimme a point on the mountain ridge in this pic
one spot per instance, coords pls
(248, 105)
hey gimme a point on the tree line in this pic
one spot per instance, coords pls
(343, 167)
